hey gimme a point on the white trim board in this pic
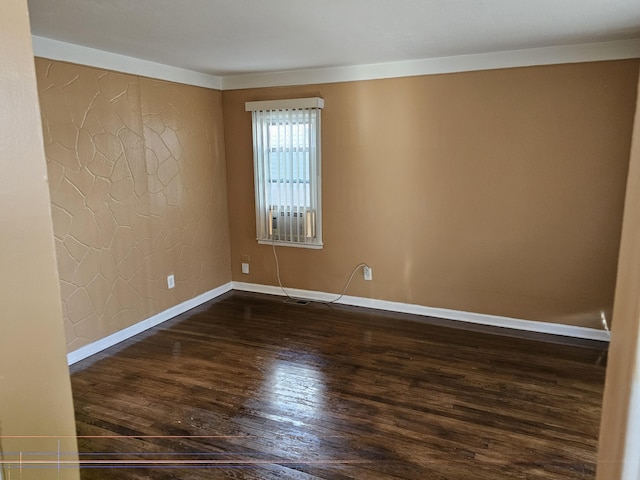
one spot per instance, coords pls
(69, 52)
(589, 52)
(469, 317)
(122, 335)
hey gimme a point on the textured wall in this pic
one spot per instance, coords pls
(138, 190)
(497, 192)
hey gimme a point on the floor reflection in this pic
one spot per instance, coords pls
(300, 387)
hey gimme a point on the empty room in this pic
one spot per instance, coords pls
(331, 240)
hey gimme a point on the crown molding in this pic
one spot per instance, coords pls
(69, 52)
(589, 52)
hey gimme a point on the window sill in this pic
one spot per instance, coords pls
(313, 246)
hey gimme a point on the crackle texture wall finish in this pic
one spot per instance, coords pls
(496, 192)
(36, 407)
(138, 191)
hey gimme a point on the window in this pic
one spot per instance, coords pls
(287, 173)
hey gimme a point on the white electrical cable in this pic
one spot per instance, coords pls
(275, 255)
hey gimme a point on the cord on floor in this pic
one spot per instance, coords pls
(344, 291)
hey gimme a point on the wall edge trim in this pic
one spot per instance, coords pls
(137, 328)
(560, 54)
(92, 57)
(585, 52)
(457, 315)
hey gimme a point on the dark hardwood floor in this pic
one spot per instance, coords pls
(250, 387)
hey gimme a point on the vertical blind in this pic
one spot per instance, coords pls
(287, 171)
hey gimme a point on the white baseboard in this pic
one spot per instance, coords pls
(117, 337)
(469, 317)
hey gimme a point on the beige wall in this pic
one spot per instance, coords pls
(494, 192)
(35, 392)
(497, 192)
(138, 191)
(623, 363)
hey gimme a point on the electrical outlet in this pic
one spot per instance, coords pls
(171, 281)
(245, 268)
(368, 274)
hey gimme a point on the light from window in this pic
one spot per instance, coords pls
(287, 171)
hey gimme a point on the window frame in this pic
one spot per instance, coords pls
(296, 224)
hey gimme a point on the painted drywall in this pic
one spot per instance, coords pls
(138, 192)
(620, 426)
(36, 410)
(497, 192)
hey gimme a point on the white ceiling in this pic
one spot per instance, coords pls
(235, 37)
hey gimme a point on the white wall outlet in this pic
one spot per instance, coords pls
(368, 274)
(171, 281)
(245, 268)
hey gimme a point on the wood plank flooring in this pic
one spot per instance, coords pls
(250, 387)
